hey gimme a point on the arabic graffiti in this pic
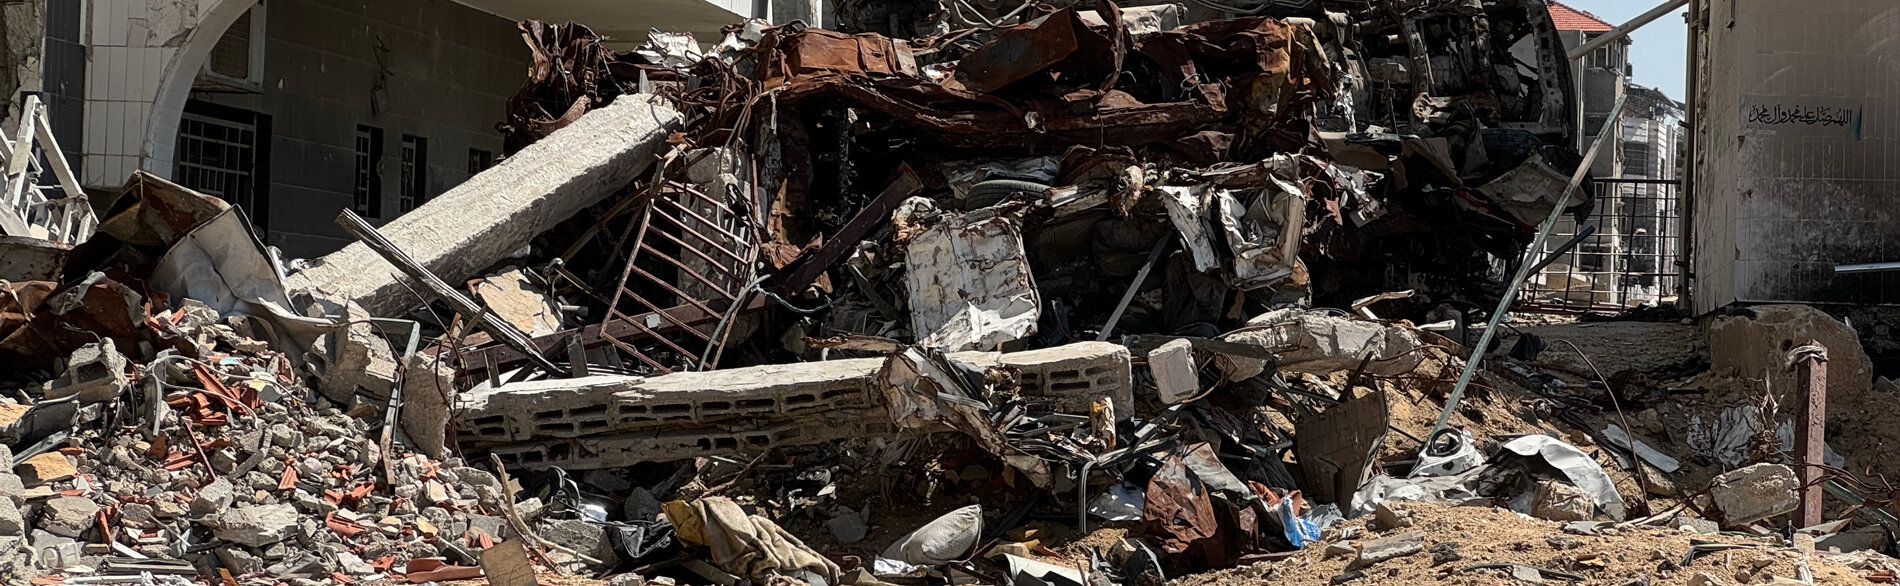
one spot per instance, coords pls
(1803, 115)
(1811, 115)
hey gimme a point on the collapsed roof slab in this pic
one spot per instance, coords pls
(497, 212)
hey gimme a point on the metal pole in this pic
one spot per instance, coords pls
(1524, 269)
(503, 331)
(1878, 267)
(1135, 287)
(1810, 362)
(1626, 28)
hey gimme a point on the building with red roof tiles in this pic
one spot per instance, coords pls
(1568, 18)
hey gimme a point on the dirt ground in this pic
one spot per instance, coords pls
(1487, 536)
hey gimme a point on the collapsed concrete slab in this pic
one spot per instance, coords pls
(614, 451)
(608, 421)
(1075, 375)
(1755, 341)
(497, 212)
(1319, 342)
(603, 405)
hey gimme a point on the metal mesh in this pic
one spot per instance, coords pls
(1630, 260)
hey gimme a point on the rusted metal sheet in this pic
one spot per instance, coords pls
(1810, 432)
(571, 73)
(820, 51)
(151, 211)
(31, 259)
(969, 279)
(1020, 52)
(77, 315)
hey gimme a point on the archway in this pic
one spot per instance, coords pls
(174, 88)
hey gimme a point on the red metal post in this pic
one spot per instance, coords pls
(1810, 436)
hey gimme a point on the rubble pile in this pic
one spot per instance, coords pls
(1055, 294)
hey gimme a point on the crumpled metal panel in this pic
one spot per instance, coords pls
(970, 283)
(1178, 509)
(1339, 446)
(819, 51)
(151, 211)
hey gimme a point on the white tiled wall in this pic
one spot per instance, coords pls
(133, 45)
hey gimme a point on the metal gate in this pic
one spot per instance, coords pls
(1627, 257)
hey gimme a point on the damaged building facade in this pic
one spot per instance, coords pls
(1790, 170)
(872, 293)
(311, 105)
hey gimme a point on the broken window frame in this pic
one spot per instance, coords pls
(415, 172)
(368, 185)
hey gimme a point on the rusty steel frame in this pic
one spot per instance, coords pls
(669, 203)
(1810, 432)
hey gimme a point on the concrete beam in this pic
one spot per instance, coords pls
(605, 405)
(497, 212)
(607, 421)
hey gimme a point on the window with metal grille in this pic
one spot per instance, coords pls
(220, 152)
(1636, 159)
(415, 171)
(479, 160)
(231, 57)
(369, 180)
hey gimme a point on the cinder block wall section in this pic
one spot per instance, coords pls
(1798, 158)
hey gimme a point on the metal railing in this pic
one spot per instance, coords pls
(1628, 257)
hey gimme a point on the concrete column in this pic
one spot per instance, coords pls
(497, 212)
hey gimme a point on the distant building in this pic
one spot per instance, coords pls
(1646, 214)
(1632, 258)
(1601, 78)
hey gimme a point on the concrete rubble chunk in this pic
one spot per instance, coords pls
(1870, 538)
(1174, 371)
(513, 296)
(1075, 374)
(506, 564)
(589, 539)
(238, 560)
(139, 515)
(11, 521)
(12, 488)
(1562, 502)
(212, 498)
(45, 468)
(95, 373)
(68, 516)
(1761, 335)
(1309, 341)
(496, 212)
(427, 384)
(1757, 492)
(1387, 548)
(357, 359)
(258, 525)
